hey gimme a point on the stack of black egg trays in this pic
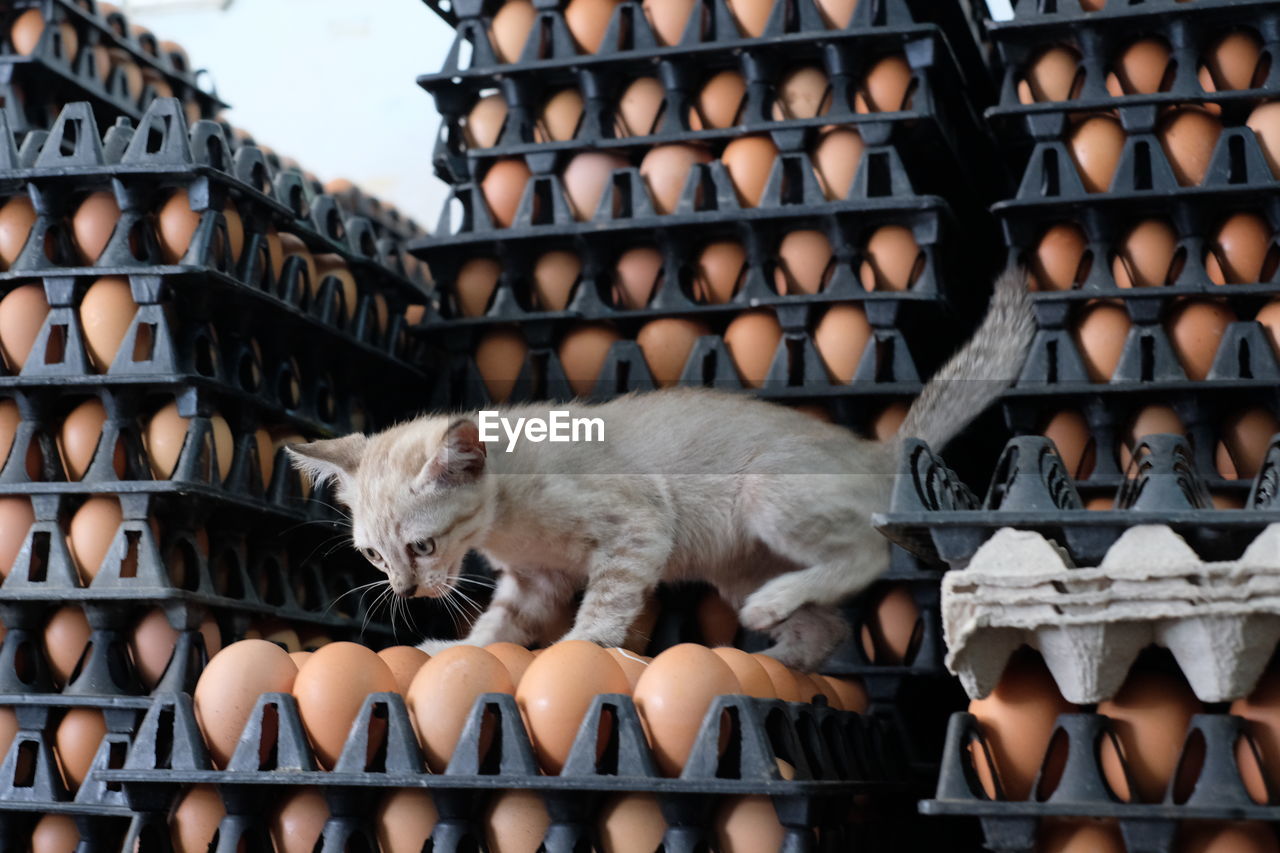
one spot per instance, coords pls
(940, 519)
(51, 75)
(836, 755)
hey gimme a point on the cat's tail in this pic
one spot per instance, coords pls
(980, 371)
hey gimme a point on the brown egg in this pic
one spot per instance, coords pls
(291, 245)
(632, 665)
(330, 688)
(56, 833)
(1055, 265)
(635, 277)
(10, 418)
(802, 93)
(129, 70)
(836, 159)
(266, 454)
(16, 218)
(1078, 835)
(667, 344)
(277, 633)
(499, 356)
(631, 823)
(8, 729)
(106, 312)
(1226, 837)
(585, 179)
(836, 14)
(1261, 709)
(1017, 719)
(1054, 75)
(515, 658)
(483, 125)
(1195, 328)
(893, 630)
(583, 351)
(749, 160)
(297, 822)
(673, 696)
(194, 821)
(166, 435)
(1247, 435)
(1264, 121)
(92, 225)
(587, 21)
(474, 286)
(783, 679)
(1146, 256)
(515, 822)
(299, 658)
(886, 424)
(1150, 420)
(668, 18)
(503, 185)
(27, 28)
(442, 694)
(851, 693)
(1100, 334)
(1232, 63)
(154, 639)
(331, 265)
(640, 106)
(405, 820)
(561, 113)
(717, 620)
(66, 635)
(887, 87)
(752, 340)
(718, 271)
(176, 225)
(16, 518)
(555, 693)
(893, 259)
(79, 436)
(841, 337)
(92, 529)
(748, 825)
(510, 29)
(666, 168)
(1096, 144)
(719, 103)
(751, 15)
(753, 680)
(77, 739)
(230, 686)
(1269, 317)
(22, 313)
(1188, 136)
(1143, 69)
(1150, 715)
(804, 258)
(1239, 251)
(554, 275)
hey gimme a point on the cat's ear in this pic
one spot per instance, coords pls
(334, 459)
(458, 460)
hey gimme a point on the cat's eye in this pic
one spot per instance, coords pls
(424, 547)
(371, 554)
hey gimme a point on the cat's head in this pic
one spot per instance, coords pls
(418, 495)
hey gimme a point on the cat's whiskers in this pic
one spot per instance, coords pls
(354, 589)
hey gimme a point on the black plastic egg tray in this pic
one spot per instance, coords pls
(1206, 786)
(387, 221)
(938, 518)
(1189, 28)
(835, 755)
(49, 73)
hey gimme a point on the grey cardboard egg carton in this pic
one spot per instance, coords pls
(1220, 619)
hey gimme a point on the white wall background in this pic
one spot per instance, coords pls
(327, 82)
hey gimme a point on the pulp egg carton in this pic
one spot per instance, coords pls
(78, 50)
(938, 518)
(835, 755)
(1098, 42)
(141, 166)
(1207, 785)
(712, 30)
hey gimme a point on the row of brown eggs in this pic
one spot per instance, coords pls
(1244, 437)
(802, 93)
(552, 686)
(1195, 328)
(1234, 61)
(1188, 135)
(748, 160)
(587, 20)
(752, 340)
(892, 261)
(513, 821)
(1094, 835)
(1240, 250)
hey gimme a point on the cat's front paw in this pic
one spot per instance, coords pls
(435, 647)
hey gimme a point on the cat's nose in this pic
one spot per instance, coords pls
(408, 591)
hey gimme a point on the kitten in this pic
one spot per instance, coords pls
(769, 505)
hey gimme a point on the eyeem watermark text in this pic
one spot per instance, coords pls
(558, 426)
